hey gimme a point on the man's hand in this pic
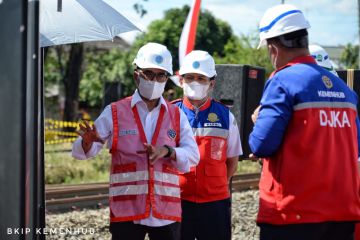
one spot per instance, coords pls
(255, 114)
(155, 152)
(89, 135)
(254, 158)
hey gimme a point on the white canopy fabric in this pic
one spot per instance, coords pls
(80, 21)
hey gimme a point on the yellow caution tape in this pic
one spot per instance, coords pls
(51, 126)
(59, 133)
(54, 124)
(64, 140)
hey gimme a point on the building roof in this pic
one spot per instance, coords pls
(334, 51)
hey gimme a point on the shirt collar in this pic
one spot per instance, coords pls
(136, 98)
(188, 104)
(302, 59)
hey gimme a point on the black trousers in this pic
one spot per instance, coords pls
(132, 231)
(308, 231)
(206, 221)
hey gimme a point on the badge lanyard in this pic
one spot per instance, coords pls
(157, 128)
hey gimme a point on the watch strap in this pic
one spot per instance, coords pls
(170, 151)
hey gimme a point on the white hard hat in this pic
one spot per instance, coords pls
(280, 20)
(321, 56)
(200, 62)
(154, 55)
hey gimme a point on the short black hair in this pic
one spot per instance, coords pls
(297, 39)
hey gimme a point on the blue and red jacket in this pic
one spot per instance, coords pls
(307, 132)
(207, 181)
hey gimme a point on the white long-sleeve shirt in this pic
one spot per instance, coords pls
(187, 153)
(234, 148)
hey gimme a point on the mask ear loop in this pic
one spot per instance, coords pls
(276, 56)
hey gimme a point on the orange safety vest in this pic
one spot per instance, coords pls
(136, 187)
(207, 182)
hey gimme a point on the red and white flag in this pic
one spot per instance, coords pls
(188, 35)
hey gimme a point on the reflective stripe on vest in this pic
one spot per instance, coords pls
(307, 105)
(129, 177)
(166, 177)
(143, 176)
(128, 190)
(167, 191)
(211, 132)
(143, 189)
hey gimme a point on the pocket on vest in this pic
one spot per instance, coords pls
(216, 175)
(120, 168)
(215, 170)
(217, 148)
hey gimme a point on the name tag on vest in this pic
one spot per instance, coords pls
(128, 132)
(212, 125)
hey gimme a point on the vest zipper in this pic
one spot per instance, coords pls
(196, 113)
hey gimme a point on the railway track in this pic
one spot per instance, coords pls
(77, 196)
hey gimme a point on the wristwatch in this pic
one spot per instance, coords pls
(170, 151)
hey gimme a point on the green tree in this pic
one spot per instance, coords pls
(101, 67)
(242, 50)
(212, 36)
(350, 56)
(212, 33)
(64, 66)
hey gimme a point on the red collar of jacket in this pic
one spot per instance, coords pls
(297, 60)
(205, 105)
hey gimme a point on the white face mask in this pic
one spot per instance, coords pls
(151, 89)
(195, 90)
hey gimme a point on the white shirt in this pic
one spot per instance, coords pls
(234, 148)
(187, 154)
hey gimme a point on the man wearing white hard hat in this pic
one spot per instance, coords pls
(150, 141)
(306, 133)
(322, 57)
(323, 60)
(205, 190)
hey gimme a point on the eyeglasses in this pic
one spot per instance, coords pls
(191, 78)
(150, 75)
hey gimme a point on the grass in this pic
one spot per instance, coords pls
(248, 166)
(61, 168)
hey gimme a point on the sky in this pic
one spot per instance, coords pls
(332, 22)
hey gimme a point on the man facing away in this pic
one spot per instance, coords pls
(150, 141)
(205, 190)
(307, 134)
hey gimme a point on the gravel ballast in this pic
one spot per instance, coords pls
(94, 224)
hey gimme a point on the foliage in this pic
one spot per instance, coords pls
(247, 166)
(213, 35)
(102, 67)
(350, 56)
(55, 59)
(61, 168)
(139, 8)
(242, 50)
